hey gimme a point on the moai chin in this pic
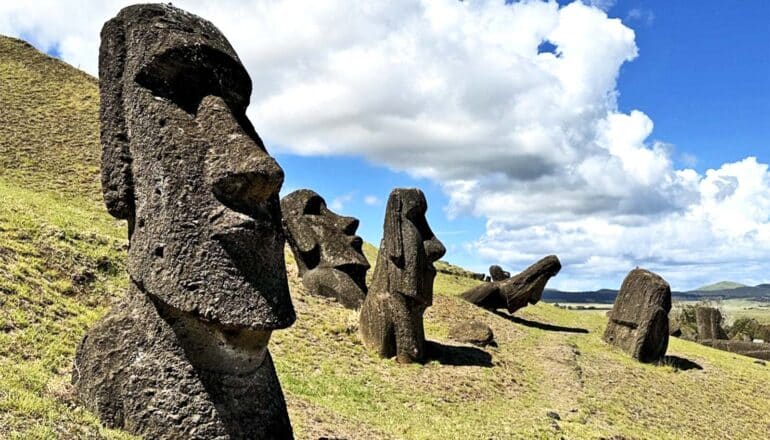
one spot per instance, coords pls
(185, 354)
(328, 253)
(638, 321)
(402, 285)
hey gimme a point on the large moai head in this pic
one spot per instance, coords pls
(325, 245)
(638, 321)
(497, 273)
(184, 166)
(408, 248)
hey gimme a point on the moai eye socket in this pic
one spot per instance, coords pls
(313, 206)
(185, 75)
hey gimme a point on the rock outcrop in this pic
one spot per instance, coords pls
(472, 332)
(638, 321)
(391, 320)
(709, 323)
(185, 353)
(518, 291)
(328, 253)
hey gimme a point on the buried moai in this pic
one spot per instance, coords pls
(185, 355)
(497, 273)
(515, 292)
(638, 321)
(328, 253)
(391, 319)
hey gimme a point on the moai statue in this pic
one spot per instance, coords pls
(185, 355)
(709, 323)
(402, 286)
(515, 292)
(638, 321)
(327, 251)
(497, 273)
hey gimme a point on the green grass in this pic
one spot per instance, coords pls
(53, 226)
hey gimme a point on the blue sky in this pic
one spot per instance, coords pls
(641, 140)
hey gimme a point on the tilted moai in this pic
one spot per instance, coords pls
(185, 355)
(515, 292)
(638, 321)
(326, 248)
(402, 285)
(709, 323)
(497, 273)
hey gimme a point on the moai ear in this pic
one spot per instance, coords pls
(117, 180)
(393, 230)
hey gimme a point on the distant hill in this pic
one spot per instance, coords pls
(607, 296)
(722, 285)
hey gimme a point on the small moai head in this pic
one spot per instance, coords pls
(184, 166)
(324, 241)
(497, 273)
(410, 246)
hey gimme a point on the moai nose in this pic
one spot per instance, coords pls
(241, 173)
(434, 249)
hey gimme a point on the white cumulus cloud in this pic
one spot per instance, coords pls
(459, 92)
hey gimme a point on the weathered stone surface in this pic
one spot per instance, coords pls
(709, 323)
(328, 253)
(185, 355)
(497, 273)
(518, 291)
(402, 285)
(639, 318)
(750, 349)
(472, 332)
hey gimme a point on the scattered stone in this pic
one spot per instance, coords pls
(518, 291)
(328, 253)
(478, 276)
(638, 321)
(760, 362)
(402, 286)
(497, 273)
(84, 277)
(185, 355)
(709, 323)
(472, 332)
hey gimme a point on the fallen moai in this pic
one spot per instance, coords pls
(328, 253)
(518, 291)
(497, 273)
(391, 320)
(184, 354)
(709, 323)
(638, 321)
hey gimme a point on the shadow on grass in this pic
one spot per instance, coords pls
(679, 363)
(540, 325)
(456, 355)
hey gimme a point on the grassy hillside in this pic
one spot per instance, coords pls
(62, 265)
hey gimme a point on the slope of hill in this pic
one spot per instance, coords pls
(722, 285)
(62, 265)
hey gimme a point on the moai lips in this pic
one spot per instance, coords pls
(391, 319)
(328, 253)
(184, 166)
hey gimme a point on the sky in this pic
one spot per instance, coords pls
(614, 134)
